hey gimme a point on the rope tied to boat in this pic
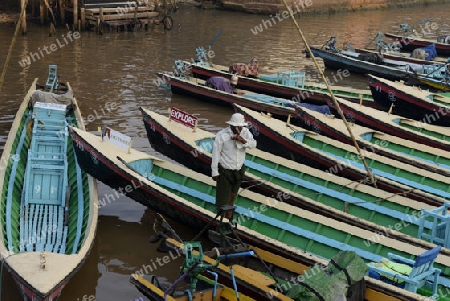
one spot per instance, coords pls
(336, 103)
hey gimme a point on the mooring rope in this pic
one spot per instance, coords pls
(8, 58)
(336, 103)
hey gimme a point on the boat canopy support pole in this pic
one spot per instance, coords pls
(336, 103)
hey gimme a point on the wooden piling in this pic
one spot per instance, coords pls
(75, 14)
(83, 18)
(62, 12)
(23, 21)
(42, 10)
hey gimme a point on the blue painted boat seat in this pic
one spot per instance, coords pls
(440, 231)
(411, 274)
(46, 171)
(52, 78)
(42, 229)
(46, 182)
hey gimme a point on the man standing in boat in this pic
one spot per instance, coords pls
(228, 158)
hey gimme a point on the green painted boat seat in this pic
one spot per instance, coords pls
(413, 274)
(440, 231)
(42, 229)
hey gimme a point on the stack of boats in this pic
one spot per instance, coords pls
(307, 197)
(310, 176)
(345, 197)
(342, 199)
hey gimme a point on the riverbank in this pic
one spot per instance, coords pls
(318, 6)
(299, 7)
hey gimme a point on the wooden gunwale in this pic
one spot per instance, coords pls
(407, 151)
(410, 101)
(418, 131)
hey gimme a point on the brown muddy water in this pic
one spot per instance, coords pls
(121, 67)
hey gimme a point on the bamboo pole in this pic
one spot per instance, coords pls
(13, 42)
(336, 103)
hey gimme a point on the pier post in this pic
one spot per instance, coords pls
(62, 12)
(23, 21)
(75, 14)
(83, 18)
(42, 10)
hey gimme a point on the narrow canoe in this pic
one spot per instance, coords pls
(419, 131)
(336, 61)
(370, 140)
(278, 107)
(48, 204)
(410, 101)
(267, 84)
(412, 42)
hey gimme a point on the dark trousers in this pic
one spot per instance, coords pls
(229, 182)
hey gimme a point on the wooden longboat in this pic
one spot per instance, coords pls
(309, 188)
(440, 84)
(278, 107)
(409, 43)
(402, 56)
(335, 157)
(337, 60)
(369, 140)
(48, 204)
(196, 266)
(207, 290)
(314, 93)
(419, 131)
(254, 272)
(410, 101)
(188, 197)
